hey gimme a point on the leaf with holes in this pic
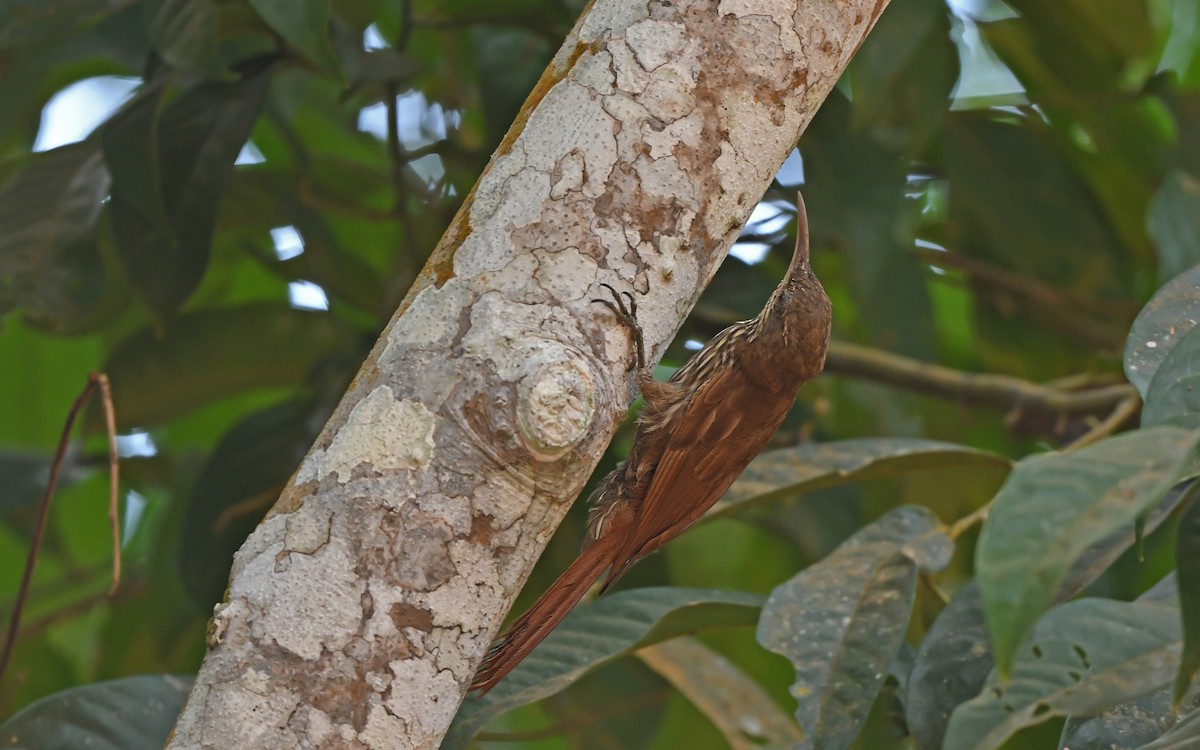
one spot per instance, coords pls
(955, 657)
(1053, 508)
(842, 620)
(1081, 658)
(592, 635)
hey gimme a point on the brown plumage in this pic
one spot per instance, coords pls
(696, 433)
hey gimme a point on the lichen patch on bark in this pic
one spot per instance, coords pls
(381, 431)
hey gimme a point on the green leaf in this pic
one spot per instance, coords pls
(779, 474)
(185, 33)
(735, 704)
(595, 634)
(1125, 726)
(854, 189)
(133, 713)
(49, 261)
(951, 665)
(1173, 397)
(1173, 223)
(955, 657)
(1071, 47)
(30, 22)
(1164, 320)
(1053, 508)
(212, 354)
(1185, 735)
(170, 163)
(549, 16)
(305, 26)
(1187, 567)
(1011, 180)
(904, 73)
(1082, 657)
(842, 620)
(241, 479)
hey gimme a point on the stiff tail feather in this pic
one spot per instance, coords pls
(530, 628)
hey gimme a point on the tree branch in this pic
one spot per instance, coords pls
(1002, 391)
(360, 607)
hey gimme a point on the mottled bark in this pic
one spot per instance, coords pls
(358, 610)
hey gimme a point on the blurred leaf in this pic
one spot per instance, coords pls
(215, 353)
(778, 474)
(549, 16)
(854, 190)
(1081, 658)
(1053, 508)
(242, 478)
(49, 261)
(23, 477)
(185, 33)
(1017, 202)
(1187, 562)
(737, 292)
(170, 163)
(29, 22)
(1171, 313)
(842, 620)
(305, 25)
(134, 713)
(597, 633)
(1172, 397)
(1174, 224)
(903, 75)
(735, 704)
(1074, 46)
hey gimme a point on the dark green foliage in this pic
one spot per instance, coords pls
(997, 194)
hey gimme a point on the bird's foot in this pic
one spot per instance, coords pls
(624, 306)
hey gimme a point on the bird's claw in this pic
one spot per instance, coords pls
(624, 306)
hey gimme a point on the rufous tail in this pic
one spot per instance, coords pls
(530, 628)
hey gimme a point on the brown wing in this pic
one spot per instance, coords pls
(723, 427)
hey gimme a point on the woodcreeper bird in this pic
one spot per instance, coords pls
(695, 435)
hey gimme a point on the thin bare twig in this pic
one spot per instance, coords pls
(1070, 313)
(1120, 414)
(95, 380)
(1048, 295)
(110, 424)
(1003, 391)
(975, 518)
